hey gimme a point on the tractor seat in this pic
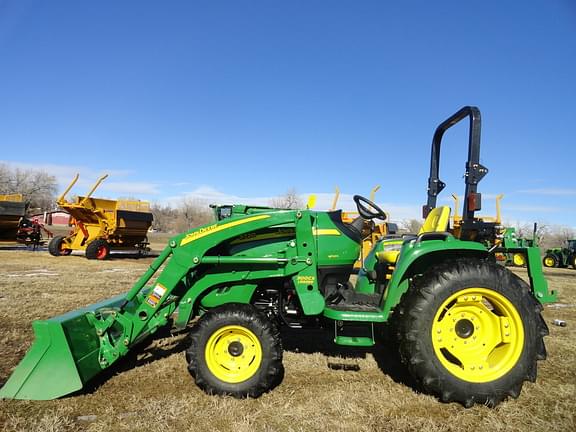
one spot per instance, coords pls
(436, 221)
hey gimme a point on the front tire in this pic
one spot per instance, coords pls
(98, 249)
(235, 350)
(56, 247)
(471, 332)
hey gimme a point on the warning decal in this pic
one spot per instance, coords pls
(156, 295)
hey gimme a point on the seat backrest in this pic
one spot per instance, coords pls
(436, 221)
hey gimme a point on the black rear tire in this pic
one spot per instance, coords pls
(474, 363)
(219, 341)
(98, 249)
(55, 246)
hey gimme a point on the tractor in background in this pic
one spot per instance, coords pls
(561, 256)
(511, 240)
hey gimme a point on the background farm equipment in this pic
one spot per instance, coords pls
(468, 330)
(498, 236)
(30, 232)
(100, 225)
(12, 209)
(562, 256)
(511, 241)
(371, 231)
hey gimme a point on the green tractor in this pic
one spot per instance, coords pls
(561, 257)
(511, 241)
(468, 330)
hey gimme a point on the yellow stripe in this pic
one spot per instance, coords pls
(212, 229)
(328, 231)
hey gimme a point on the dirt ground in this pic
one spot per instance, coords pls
(324, 388)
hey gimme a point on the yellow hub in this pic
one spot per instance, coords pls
(519, 260)
(478, 335)
(233, 354)
(549, 262)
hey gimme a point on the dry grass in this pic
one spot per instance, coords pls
(156, 392)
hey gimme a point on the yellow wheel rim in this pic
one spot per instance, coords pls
(519, 259)
(549, 262)
(233, 354)
(478, 335)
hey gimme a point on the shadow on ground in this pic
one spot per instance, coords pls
(385, 352)
(164, 344)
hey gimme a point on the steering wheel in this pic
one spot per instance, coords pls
(367, 209)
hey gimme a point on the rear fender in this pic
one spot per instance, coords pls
(418, 256)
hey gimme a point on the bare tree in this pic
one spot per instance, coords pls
(557, 236)
(192, 213)
(37, 187)
(164, 218)
(290, 200)
(410, 225)
(548, 236)
(5, 183)
(526, 230)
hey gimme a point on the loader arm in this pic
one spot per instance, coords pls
(83, 343)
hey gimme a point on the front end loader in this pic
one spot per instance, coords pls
(468, 329)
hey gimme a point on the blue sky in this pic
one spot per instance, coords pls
(243, 100)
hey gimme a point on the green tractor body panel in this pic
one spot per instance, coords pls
(415, 256)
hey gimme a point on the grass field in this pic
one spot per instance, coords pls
(324, 388)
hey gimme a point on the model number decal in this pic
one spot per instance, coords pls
(306, 280)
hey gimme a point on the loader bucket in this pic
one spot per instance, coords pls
(62, 359)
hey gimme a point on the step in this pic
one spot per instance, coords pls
(358, 341)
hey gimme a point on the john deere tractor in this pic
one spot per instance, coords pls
(468, 329)
(562, 256)
(511, 241)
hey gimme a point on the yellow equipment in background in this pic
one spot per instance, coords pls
(371, 232)
(457, 219)
(504, 236)
(12, 209)
(100, 225)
